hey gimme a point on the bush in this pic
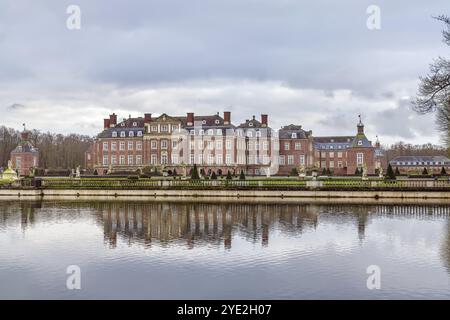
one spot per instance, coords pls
(425, 171)
(294, 172)
(242, 175)
(229, 177)
(443, 172)
(357, 172)
(194, 173)
(397, 171)
(134, 178)
(213, 176)
(390, 173)
(174, 173)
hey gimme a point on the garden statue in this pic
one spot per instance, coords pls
(364, 172)
(380, 172)
(268, 172)
(314, 174)
(302, 172)
(110, 168)
(77, 174)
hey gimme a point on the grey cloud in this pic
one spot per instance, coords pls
(206, 56)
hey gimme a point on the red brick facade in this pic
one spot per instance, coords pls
(215, 144)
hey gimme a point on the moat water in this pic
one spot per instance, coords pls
(157, 250)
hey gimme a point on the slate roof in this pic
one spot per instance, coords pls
(287, 131)
(251, 123)
(333, 142)
(420, 161)
(25, 146)
(126, 125)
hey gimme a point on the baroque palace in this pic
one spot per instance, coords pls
(215, 144)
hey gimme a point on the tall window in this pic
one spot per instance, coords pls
(139, 159)
(164, 159)
(281, 160)
(130, 160)
(130, 145)
(210, 159)
(359, 159)
(154, 159)
(105, 160)
(298, 146)
(302, 159)
(228, 159)
(105, 146)
(174, 144)
(175, 158)
(113, 146)
(218, 144)
(139, 146)
(122, 160)
(228, 144)
(219, 158)
(154, 144)
(290, 159)
(163, 144)
(287, 146)
(113, 159)
(122, 146)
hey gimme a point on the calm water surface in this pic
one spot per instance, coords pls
(206, 251)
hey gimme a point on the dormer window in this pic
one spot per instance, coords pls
(139, 133)
(122, 134)
(131, 134)
(249, 134)
(203, 121)
(250, 124)
(219, 132)
(134, 124)
(258, 133)
(210, 132)
(192, 132)
(359, 142)
(217, 122)
(114, 134)
(122, 124)
(294, 135)
(201, 132)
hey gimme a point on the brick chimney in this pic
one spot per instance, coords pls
(264, 122)
(147, 117)
(190, 118)
(112, 120)
(227, 117)
(106, 123)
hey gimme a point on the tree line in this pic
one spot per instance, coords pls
(55, 150)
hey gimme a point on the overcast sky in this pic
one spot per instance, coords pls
(313, 63)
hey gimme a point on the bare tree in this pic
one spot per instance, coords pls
(434, 89)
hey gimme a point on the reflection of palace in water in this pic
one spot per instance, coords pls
(198, 224)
